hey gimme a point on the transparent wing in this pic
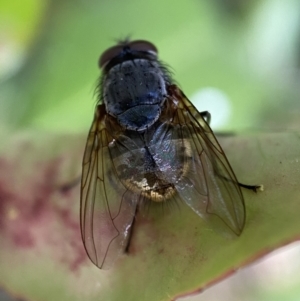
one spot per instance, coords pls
(209, 186)
(107, 208)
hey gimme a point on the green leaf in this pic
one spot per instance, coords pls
(172, 254)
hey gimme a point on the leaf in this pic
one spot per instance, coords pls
(172, 254)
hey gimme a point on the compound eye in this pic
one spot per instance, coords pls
(109, 54)
(134, 46)
(141, 45)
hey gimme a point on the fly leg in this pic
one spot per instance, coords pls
(254, 188)
(68, 186)
(131, 232)
(206, 115)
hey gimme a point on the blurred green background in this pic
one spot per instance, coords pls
(239, 59)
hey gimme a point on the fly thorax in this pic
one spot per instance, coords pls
(134, 93)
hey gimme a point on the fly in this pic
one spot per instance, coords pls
(148, 143)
